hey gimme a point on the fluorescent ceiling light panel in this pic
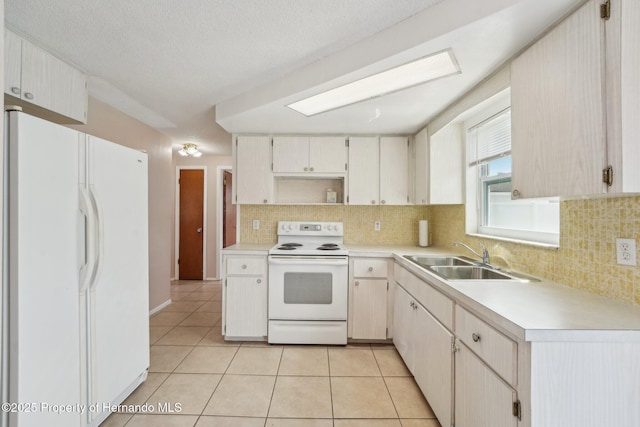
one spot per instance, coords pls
(431, 67)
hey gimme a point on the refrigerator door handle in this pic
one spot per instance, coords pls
(87, 270)
(99, 237)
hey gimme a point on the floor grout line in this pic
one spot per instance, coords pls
(277, 375)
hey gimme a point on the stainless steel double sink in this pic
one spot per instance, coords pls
(463, 268)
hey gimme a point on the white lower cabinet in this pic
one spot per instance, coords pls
(368, 298)
(245, 297)
(369, 309)
(426, 347)
(482, 398)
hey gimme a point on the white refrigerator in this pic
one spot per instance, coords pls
(75, 338)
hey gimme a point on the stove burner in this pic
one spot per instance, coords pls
(329, 245)
(328, 248)
(286, 248)
(291, 245)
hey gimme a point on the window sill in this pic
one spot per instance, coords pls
(518, 241)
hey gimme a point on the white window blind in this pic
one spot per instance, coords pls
(490, 139)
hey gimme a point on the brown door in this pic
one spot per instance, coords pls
(228, 212)
(191, 224)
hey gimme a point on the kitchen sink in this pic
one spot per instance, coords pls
(428, 261)
(468, 272)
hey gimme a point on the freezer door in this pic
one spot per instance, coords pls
(44, 258)
(119, 294)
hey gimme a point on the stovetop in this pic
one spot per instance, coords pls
(297, 238)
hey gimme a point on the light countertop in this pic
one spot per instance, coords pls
(248, 249)
(540, 311)
(530, 311)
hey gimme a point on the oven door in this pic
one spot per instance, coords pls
(308, 288)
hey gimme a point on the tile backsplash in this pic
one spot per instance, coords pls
(399, 224)
(586, 258)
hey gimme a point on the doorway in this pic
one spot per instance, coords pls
(191, 224)
(228, 211)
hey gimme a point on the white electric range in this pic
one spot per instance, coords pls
(308, 284)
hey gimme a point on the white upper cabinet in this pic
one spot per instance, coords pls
(394, 170)
(622, 33)
(446, 171)
(378, 170)
(304, 154)
(421, 147)
(439, 166)
(253, 183)
(364, 170)
(36, 77)
(570, 120)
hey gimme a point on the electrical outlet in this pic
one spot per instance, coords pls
(626, 251)
(256, 224)
(376, 225)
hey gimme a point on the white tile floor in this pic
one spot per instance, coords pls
(233, 384)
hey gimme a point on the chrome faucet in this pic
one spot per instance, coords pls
(485, 252)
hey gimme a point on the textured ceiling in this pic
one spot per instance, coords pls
(170, 62)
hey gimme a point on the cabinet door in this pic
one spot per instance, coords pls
(246, 307)
(558, 142)
(434, 364)
(446, 166)
(364, 169)
(394, 171)
(482, 398)
(403, 325)
(53, 84)
(253, 181)
(12, 63)
(422, 168)
(369, 309)
(291, 154)
(327, 154)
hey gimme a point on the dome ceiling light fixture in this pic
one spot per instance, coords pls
(190, 149)
(435, 66)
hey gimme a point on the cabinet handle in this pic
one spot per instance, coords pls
(373, 202)
(382, 202)
(244, 266)
(515, 194)
(475, 337)
(28, 95)
(411, 304)
(306, 169)
(259, 281)
(357, 283)
(15, 90)
(264, 201)
(311, 169)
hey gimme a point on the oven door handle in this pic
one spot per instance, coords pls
(301, 260)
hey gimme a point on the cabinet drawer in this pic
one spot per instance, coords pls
(370, 267)
(440, 306)
(406, 279)
(246, 266)
(498, 351)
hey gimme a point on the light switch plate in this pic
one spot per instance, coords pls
(376, 225)
(626, 251)
(256, 224)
